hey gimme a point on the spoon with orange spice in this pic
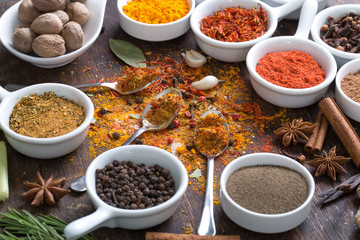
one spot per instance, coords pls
(157, 115)
(211, 139)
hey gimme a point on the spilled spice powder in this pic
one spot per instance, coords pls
(232, 97)
(290, 69)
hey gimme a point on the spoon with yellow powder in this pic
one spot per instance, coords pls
(211, 139)
(157, 115)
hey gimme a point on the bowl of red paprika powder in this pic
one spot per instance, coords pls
(226, 30)
(292, 71)
(347, 89)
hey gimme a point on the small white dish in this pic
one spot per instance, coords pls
(295, 14)
(290, 97)
(108, 216)
(154, 32)
(321, 18)
(258, 222)
(9, 21)
(45, 148)
(235, 51)
(346, 104)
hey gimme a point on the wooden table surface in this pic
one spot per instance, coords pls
(332, 221)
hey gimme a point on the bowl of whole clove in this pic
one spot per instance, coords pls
(266, 192)
(132, 187)
(337, 28)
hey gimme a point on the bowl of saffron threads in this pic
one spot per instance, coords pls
(226, 30)
(155, 21)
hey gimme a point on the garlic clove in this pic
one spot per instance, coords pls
(194, 59)
(205, 83)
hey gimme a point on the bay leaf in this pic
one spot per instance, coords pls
(127, 52)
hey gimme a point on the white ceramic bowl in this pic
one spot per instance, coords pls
(235, 51)
(9, 21)
(321, 18)
(291, 97)
(258, 222)
(347, 105)
(154, 32)
(108, 216)
(45, 148)
(295, 14)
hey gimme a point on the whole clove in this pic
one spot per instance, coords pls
(342, 33)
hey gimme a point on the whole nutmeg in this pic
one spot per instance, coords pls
(73, 35)
(22, 39)
(77, 12)
(49, 45)
(62, 15)
(26, 11)
(49, 5)
(47, 23)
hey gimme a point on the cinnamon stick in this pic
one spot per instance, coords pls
(317, 137)
(174, 236)
(342, 127)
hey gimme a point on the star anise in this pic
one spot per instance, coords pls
(48, 191)
(329, 163)
(294, 131)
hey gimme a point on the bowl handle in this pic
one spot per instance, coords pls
(307, 16)
(87, 224)
(283, 10)
(3, 93)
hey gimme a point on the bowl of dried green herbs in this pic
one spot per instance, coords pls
(45, 120)
(266, 192)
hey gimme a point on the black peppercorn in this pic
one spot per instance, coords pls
(116, 135)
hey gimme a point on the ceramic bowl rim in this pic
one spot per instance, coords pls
(285, 1)
(338, 80)
(329, 11)
(37, 60)
(137, 212)
(306, 174)
(154, 26)
(194, 24)
(330, 75)
(88, 107)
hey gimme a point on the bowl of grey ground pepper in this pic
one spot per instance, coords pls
(266, 192)
(131, 187)
(347, 89)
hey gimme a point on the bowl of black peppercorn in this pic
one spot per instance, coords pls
(131, 187)
(337, 28)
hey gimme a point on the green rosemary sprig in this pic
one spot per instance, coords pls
(25, 226)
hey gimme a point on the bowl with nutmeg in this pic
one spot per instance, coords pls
(51, 34)
(132, 187)
(45, 121)
(337, 28)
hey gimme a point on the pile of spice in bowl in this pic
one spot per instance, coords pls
(226, 30)
(347, 89)
(337, 28)
(266, 192)
(155, 20)
(131, 187)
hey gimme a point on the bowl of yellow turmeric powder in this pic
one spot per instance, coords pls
(155, 21)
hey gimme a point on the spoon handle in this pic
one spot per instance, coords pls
(89, 85)
(134, 136)
(207, 224)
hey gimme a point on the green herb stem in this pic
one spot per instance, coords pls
(4, 181)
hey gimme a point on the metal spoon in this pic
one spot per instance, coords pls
(111, 85)
(207, 224)
(79, 185)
